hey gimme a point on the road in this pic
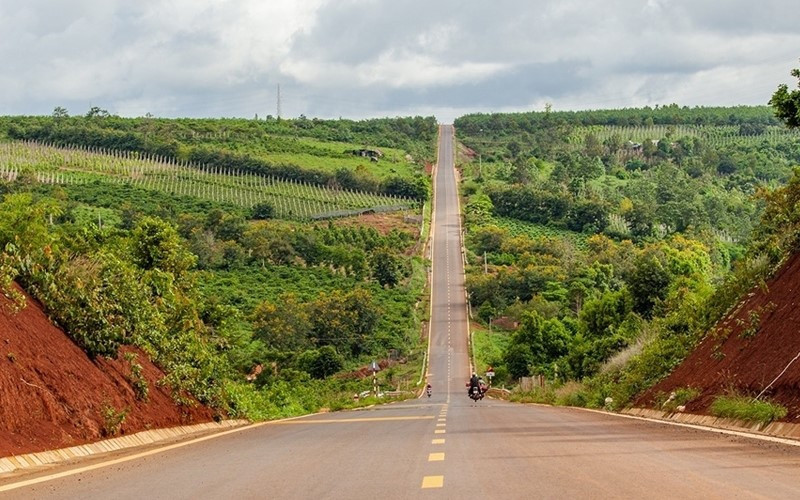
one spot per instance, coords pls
(444, 447)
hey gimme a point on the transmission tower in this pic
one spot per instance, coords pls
(278, 114)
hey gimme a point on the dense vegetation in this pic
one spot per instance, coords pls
(300, 150)
(254, 316)
(611, 240)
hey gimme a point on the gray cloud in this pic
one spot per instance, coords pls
(361, 58)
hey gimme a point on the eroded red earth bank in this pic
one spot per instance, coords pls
(53, 396)
(748, 350)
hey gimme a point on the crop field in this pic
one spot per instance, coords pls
(712, 136)
(291, 200)
(518, 227)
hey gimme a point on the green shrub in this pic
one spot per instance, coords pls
(572, 394)
(542, 395)
(112, 419)
(746, 408)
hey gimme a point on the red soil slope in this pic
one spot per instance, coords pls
(746, 352)
(53, 396)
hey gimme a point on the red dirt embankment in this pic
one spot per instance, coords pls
(747, 350)
(53, 396)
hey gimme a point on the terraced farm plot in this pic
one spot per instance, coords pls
(291, 200)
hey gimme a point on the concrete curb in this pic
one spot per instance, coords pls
(775, 429)
(777, 432)
(19, 462)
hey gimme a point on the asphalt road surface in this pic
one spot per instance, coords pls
(445, 446)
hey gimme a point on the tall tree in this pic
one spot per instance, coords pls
(787, 104)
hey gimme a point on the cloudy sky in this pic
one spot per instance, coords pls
(369, 58)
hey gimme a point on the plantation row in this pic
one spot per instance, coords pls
(290, 200)
(712, 135)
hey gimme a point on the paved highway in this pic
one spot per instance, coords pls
(444, 447)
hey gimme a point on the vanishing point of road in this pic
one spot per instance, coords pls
(442, 447)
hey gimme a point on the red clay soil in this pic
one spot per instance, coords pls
(53, 396)
(382, 222)
(746, 352)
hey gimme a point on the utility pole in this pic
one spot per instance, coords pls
(278, 114)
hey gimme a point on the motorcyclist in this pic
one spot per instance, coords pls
(428, 390)
(474, 382)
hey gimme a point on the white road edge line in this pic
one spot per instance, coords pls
(426, 362)
(718, 430)
(87, 468)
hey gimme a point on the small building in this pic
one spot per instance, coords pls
(372, 154)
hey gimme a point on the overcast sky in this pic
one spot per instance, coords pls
(370, 58)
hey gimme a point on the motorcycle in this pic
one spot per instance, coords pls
(428, 391)
(476, 393)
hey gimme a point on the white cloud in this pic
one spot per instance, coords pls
(362, 58)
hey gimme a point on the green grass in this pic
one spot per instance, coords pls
(746, 408)
(542, 395)
(489, 348)
(327, 156)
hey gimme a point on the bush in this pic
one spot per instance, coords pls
(263, 211)
(542, 395)
(571, 394)
(320, 363)
(746, 408)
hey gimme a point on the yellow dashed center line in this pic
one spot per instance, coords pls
(439, 431)
(351, 420)
(432, 482)
(441, 425)
(436, 457)
(437, 441)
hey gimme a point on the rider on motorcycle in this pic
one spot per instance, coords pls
(473, 383)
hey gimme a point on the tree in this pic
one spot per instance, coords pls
(60, 112)
(387, 268)
(263, 211)
(649, 281)
(96, 112)
(282, 325)
(320, 363)
(787, 104)
(156, 244)
(518, 359)
(344, 319)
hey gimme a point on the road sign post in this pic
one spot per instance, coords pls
(375, 369)
(489, 374)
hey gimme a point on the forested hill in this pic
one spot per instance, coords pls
(604, 244)
(755, 116)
